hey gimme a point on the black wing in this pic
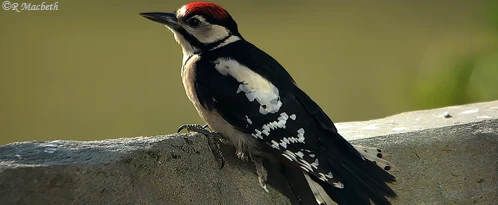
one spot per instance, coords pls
(322, 152)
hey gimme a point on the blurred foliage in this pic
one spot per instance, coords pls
(492, 14)
(464, 78)
(447, 87)
(96, 69)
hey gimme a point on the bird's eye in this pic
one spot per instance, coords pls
(193, 22)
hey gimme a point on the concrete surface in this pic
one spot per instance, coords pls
(439, 160)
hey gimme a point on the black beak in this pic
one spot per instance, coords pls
(168, 19)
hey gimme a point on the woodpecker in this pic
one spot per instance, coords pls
(245, 95)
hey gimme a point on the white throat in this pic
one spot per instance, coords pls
(187, 48)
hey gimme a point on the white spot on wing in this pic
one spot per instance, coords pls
(305, 164)
(323, 177)
(329, 175)
(290, 154)
(306, 168)
(267, 128)
(283, 116)
(257, 134)
(283, 144)
(300, 154)
(292, 117)
(243, 88)
(275, 145)
(248, 120)
(300, 131)
(250, 96)
(300, 135)
(315, 164)
(256, 87)
(287, 156)
(338, 185)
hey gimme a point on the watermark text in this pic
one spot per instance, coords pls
(14, 6)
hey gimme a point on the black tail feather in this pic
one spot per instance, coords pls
(363, 180)
(359, 187)
(349, 195)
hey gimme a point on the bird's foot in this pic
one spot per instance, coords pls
(214, 140)
(261, 171)
(195, 128)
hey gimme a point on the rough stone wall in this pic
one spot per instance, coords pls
(439, 160)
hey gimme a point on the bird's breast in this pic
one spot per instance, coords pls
(242, 142)
(188, 79)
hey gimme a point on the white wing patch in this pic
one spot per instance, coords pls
(252, 84)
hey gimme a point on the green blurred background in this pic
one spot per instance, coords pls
(96, 70)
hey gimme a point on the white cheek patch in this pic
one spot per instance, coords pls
(252, 84)
(212, 34)
(208, 33)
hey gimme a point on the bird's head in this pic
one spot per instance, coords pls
(198, 26)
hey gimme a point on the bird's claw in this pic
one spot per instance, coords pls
(194, 128)
(214, 145)
(212, 137)
(261, 171)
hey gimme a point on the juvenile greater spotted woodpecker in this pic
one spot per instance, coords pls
(246, 96)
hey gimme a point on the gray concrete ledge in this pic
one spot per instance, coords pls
(439, 160)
